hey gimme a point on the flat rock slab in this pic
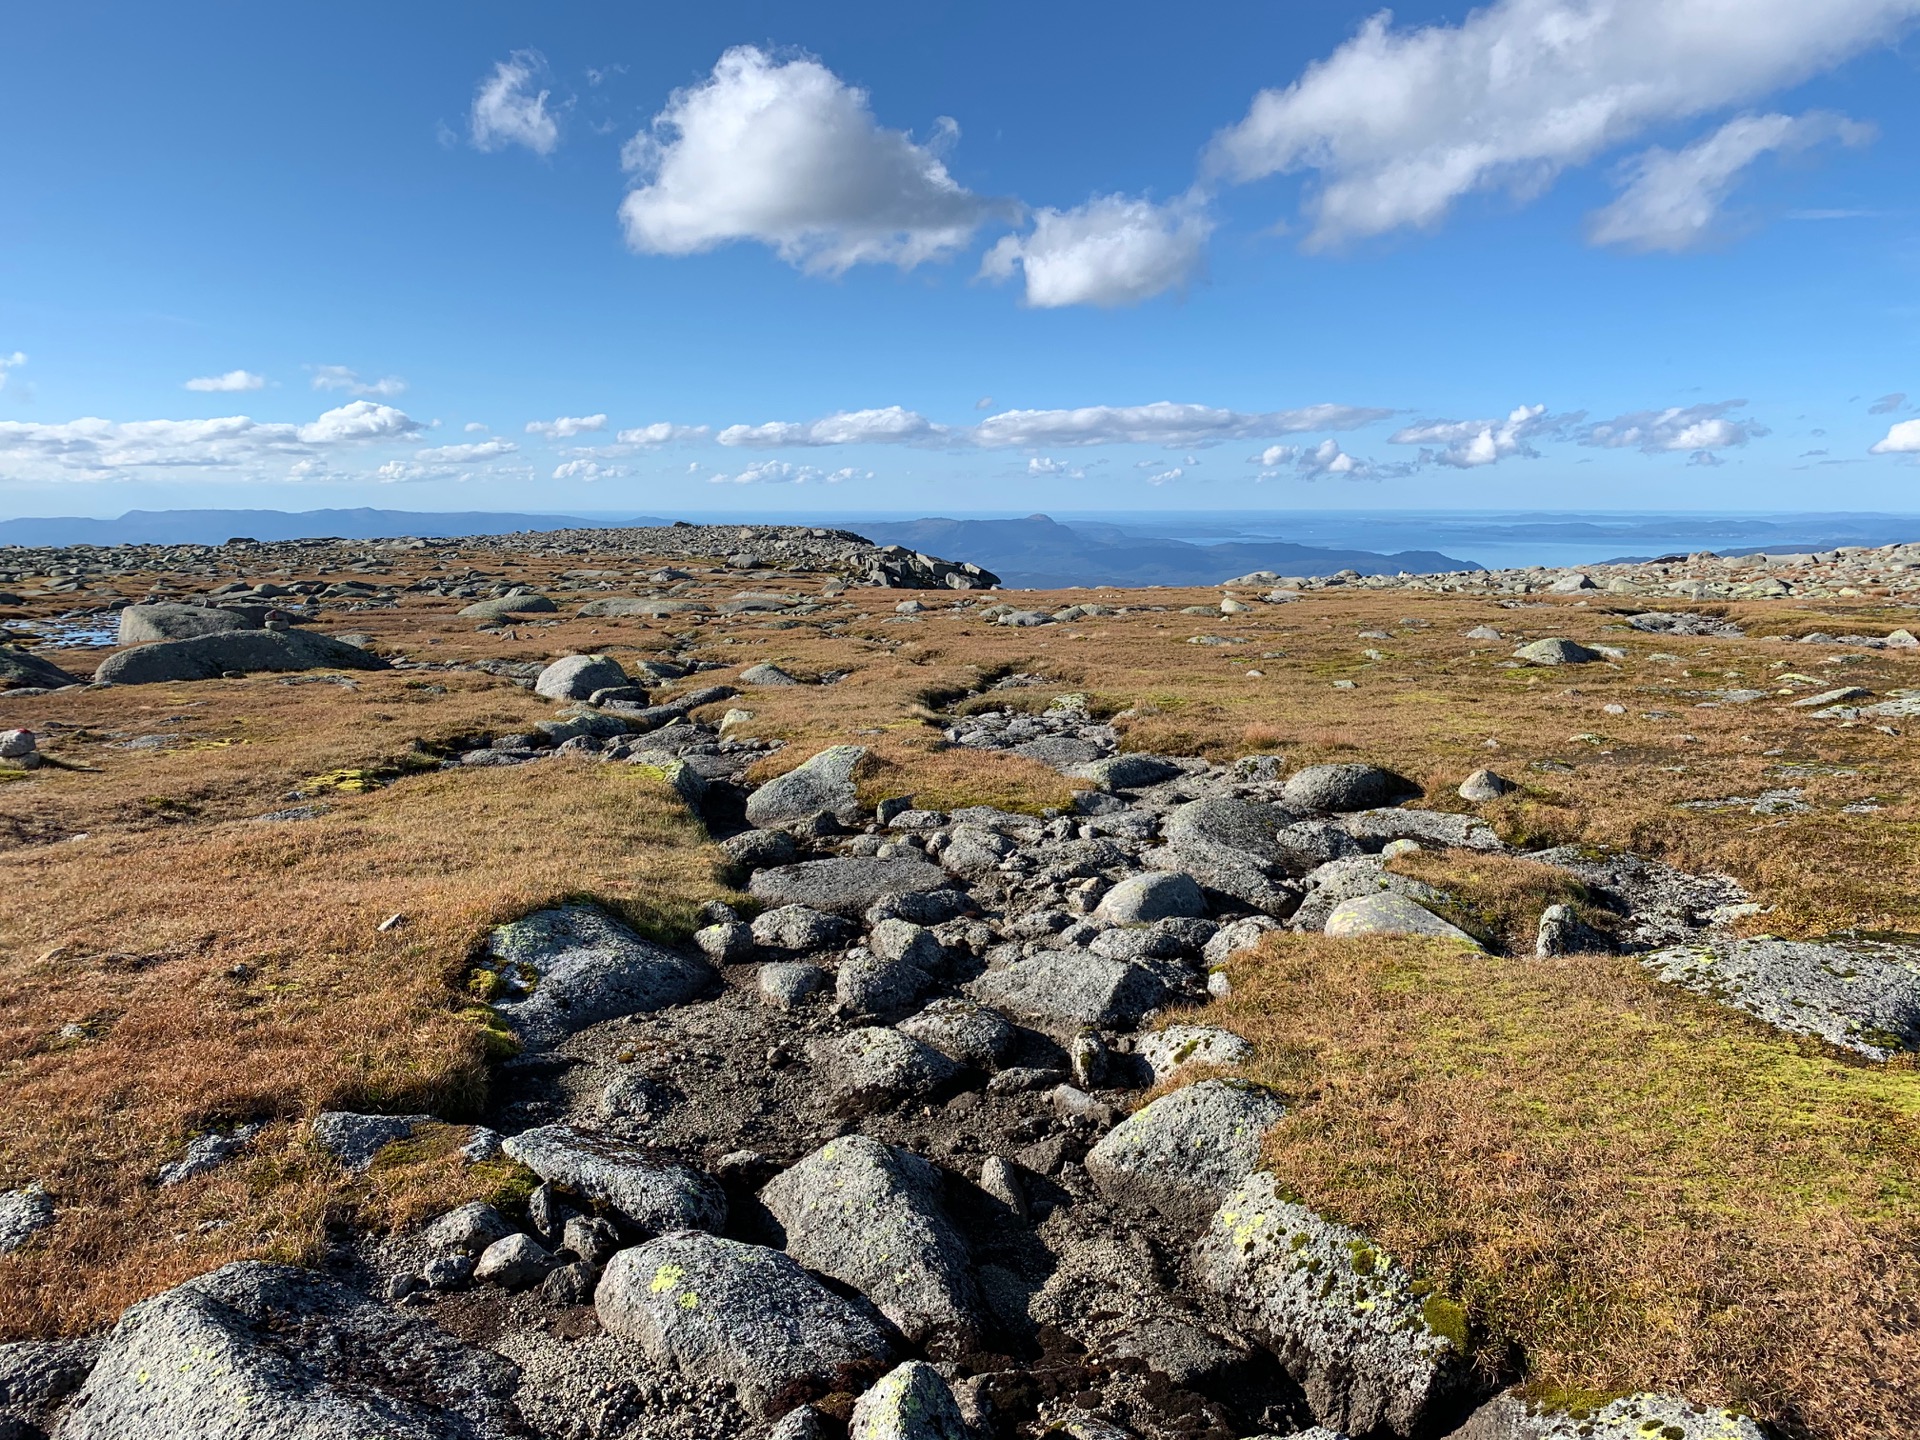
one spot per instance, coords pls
(1184, 1153)
(1250, 826)
(1391, 913)
(869, 1215)
(1374, 828)
(721, 1310)
(653, 1195)
(1066, 990)
(1341, 1316)
(269, 1352)
(1861, 995)
(354, 1139)
(564, 969)
(1646, 1416)
(846, 885)
(208, 657)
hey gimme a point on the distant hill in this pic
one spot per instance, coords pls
(1039, 553)
(211, 527)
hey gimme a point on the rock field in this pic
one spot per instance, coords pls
(930, 1136)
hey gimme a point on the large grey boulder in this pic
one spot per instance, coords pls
(1390, 913)
(1066, 990)
(653, 1195)
(911, 1402)
(961, 1030)
(208, 657)
(1184, 1153)
(1345, 787)
(720, 1310)
(1646, 1416)
(564, 969)
(24, 1213)
(1557, 652)
(1861, 995)
(870, 1216)
(1128, 772)
(844, 885)
(18, 669)
(821, 785)
(1341, 1315)
(144, 624)
(1249, 826)
(1155, 896)
(873, 1067)
(1236, 875)
(35, 1376)
(766, 673)
(269, 1352)
(578, 677)
(519, 602)
(800, 927)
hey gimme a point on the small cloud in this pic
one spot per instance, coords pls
(565, 427)
(889, 426)
(1887, 404)
(10, 362)
(660, 433)
(588, 470)
(1902, 439)
(782, 472)
(1166, 477)
(339, 377)
(507, 111)
(466, 454)
(233, 380)
(1114, 250)
(1042, 466)
(985, 402)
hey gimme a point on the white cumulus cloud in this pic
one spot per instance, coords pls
(1400, 124)
(890, 426)
(1164, 422)
(507, 110)
(1040, 466)
(587, 470)
(1114, 250)
(1312, 462)
(1469, 444)
(360, 420)
(1673, 198)
(232, 381)
(1698, 430)
(660, 433)
(565, 427)
(785, 153)
(782, 472)
(466, 454)
(1902, 439)
(339, 377)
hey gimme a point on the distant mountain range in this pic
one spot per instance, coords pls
(212, 527)
(1034, 553)
(1039, 553)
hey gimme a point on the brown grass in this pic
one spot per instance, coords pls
(1628, 1187)
(232, 971)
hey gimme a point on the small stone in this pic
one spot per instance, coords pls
(789, 984)
(568, 1285)
(467, 1229)
(447, 1272)
(594, 1240)
(1001, 1179)
(1484, 785)
(515, 1263)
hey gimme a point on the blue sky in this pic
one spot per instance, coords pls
(961, 258)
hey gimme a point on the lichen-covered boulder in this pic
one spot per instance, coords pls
(1861, 995)
(1371, 1350)
(1345, 787)
(1165, 1052)
(823, 784)
(208, 657)
(652, 1195)
(564, 969)
(961, 1030)
(721, 1310)
(578, 677)
(1646, 1416)
(269, 1352)
(873, 1067)
(1185, 1152)
(1068, 990)
(869, 1215)
(911, 1402)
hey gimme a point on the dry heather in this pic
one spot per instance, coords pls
(1627, 1186)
